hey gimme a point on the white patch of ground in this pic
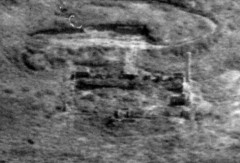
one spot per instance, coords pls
(111, 57)
(230, 78)
(226, 141)
(47, 3)
(230, 83)
(11, 20)
(82, 139)
(130, 62)
(236, 103)
(151, 107)
(196, 97)
(176, 120)
(102, 38)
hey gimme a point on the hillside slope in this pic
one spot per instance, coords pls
(101, 93)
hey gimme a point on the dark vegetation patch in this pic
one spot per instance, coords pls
(106, 3)
(111, 71)
(54, 31)
(56, 27)
(128, 28)
(90, 84)
(8, 91)
(30, 141)
(61, 108)
(93, 62)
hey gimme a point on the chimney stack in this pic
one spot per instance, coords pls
(188, 67)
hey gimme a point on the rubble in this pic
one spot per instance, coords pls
(166, 78)
(86, 84)
(182, 98)
(128, 75)
(186, 113)
(130, 115)
(82, 72)
(174, 83)
(178, 100)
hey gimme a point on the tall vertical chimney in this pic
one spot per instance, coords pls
(188, 66)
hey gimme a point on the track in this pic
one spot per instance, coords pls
(93, 37)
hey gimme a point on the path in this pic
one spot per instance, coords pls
(106, 38)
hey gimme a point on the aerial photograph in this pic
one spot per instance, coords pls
(119, 81)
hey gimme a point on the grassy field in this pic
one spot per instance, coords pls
(47, 117)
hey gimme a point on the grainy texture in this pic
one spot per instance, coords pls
(100, 94)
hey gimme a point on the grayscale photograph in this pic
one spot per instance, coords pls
(119, 81)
